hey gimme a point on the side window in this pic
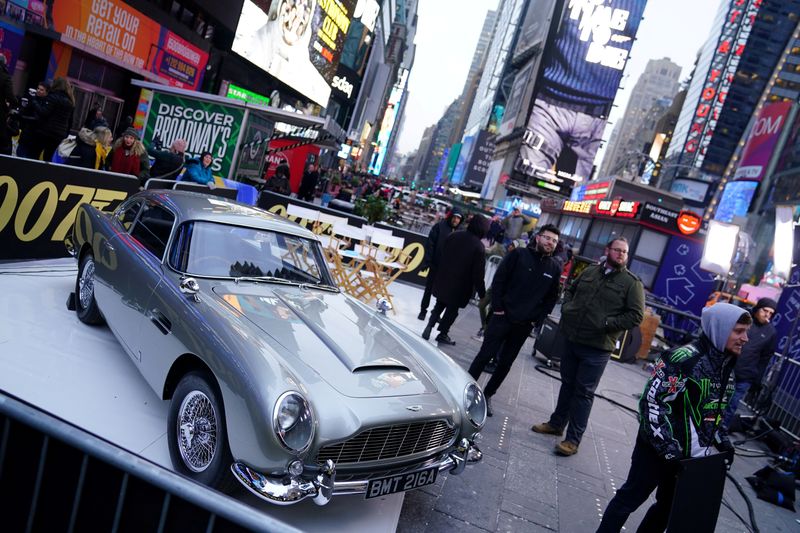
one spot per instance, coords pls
(153, 229)
(127, 214)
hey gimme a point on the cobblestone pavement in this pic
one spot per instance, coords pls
(521, 485)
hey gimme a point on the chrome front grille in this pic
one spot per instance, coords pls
(390, 442)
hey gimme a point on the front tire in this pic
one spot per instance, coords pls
(85, 303)
(197, 434)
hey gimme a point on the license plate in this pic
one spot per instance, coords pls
(401, 482)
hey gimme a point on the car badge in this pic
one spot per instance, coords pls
(414, 408)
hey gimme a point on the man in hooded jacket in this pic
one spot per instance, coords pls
(459, 276)
(750, 366)
(433, 254)
(680, 414)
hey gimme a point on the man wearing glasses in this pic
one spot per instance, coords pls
(602, 302)
(524, 291)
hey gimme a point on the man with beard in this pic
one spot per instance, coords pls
(601, 303)
(524, 291)
(679, 416)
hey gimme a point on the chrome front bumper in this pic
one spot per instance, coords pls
(286, 490)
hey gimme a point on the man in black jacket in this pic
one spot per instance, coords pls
(7, 102)
(433, 254)
(524, 291)
(750, 366)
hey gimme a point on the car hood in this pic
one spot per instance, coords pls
(348, 346)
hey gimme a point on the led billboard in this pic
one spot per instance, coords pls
(581, 69)
(297, 41)
(762, 140)
(735, 200)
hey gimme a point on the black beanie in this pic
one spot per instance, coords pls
(766, 302)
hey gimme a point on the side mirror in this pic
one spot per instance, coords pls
(190, 287)
(383, 306)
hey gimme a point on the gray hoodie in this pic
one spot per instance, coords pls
(718, 321)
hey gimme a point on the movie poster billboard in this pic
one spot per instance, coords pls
(297, 41)
(206, 126)
(122, 35)
(762, 140)
(482, 155)
(256, 140)
(577, 82)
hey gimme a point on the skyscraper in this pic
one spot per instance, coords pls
(659, 81)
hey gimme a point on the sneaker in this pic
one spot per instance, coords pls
(421, 315)
(547, 429)
(491, 366)
(478, 336)
(426, 333)
(489, 410)
(566, 448)
(444, 339)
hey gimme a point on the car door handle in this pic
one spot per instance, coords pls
(108, 246)
(161, 322)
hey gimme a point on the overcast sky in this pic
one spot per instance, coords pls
(448, 31)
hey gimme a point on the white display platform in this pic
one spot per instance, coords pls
(81, 374)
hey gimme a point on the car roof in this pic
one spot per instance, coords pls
(196, 206)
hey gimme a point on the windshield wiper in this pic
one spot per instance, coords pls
(266, 279)
(320, 285)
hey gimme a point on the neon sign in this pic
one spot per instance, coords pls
(617, 208)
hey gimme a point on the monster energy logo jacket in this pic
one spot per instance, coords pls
(682, 404)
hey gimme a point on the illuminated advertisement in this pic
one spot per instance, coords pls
(594, 190)
(388, 122)
(122, 35)
(11, 39)
(690, 189)
(463, 158)
(297, 41)
(733, 39)
(534, 28)
(581, 70)
(735, 200)
(762, 140)
(239, 93)
(482, 155)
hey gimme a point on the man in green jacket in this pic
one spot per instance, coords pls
(601, 303)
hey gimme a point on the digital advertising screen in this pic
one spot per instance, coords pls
(582, 65)
(735, 200)
(762, 140)
(297, 41)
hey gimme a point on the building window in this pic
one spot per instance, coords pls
(602, 232)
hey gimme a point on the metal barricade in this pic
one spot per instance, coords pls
(491, 267)
(57, 477)
(782, 385)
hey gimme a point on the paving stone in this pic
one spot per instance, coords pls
(512, 523)
(473, 497)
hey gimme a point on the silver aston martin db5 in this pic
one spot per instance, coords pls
(276, 379)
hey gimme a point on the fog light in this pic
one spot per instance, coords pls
(295, 468)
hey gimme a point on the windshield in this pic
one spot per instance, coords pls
(220, 250)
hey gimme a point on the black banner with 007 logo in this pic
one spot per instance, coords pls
(39, 201)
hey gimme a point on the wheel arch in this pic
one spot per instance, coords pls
(184, 364)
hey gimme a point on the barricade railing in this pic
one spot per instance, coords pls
(781, 393)
(55, 476)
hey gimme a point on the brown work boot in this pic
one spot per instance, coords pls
(547, 429)
(566, 448)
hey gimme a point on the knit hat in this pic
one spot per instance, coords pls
(765, 302)
(132, 132)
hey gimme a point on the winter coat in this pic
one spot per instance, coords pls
(681, 407)
(88, 153)
(166, 164)
(525, 285)
(513, 226)
(435, 242)
(278, 184)
(598, 307)
(460, 272)
(7, 98)
(134, 161)
(308, 185)
(197, 173)
(55, 115)
(753, 361)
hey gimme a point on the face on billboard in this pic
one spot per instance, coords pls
(578, 81)
(297, 41)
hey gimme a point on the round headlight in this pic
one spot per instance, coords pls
(475, 404)
(293, 421)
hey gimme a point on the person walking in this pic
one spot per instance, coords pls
(513, 224)
(752, 363)
(7, 102)
(55, 118)
(679, 417)
(524, 291)
(602, 302)
(129, 156)
(433, 255)
(167, 164)
(91, 148)
(198, 170)
(308, 184)
(459, 276)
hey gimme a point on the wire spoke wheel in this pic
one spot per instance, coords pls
(86, 283)
(197, 431)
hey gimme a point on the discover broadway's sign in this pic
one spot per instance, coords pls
(206, 127)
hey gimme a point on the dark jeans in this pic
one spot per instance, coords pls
(581, 369)
(647, 472)
(450, 315)
(739, 392)
(499, 332)
(426, 296)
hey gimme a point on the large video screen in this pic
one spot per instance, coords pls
(735, 201)
(578, 81)
(297, 41)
